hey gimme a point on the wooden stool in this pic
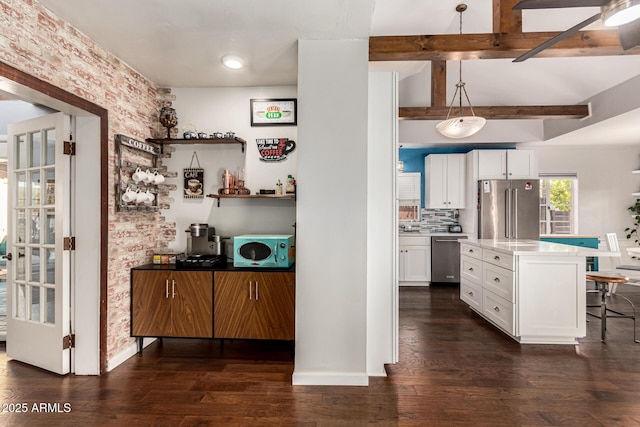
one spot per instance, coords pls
(603, 281)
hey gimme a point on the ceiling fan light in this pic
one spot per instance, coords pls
(461, 127)
(232, 62)
(620, 12)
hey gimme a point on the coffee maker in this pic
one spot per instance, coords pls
(205, 249)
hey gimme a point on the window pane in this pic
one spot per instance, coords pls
(50, 147)
(51, 266)
(50, 187)
(35, 303)
(35, 264)
(50, 306)
(21, 226)
(35, 187)
(20, 302)
(21, 189)
(36, 143)
(35, 225)
(49, 226)
(21, 152)
(20, 263)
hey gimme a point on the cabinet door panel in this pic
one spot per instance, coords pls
(192, 303)
(275, 306)
(456, 177)
(521, 164)
(492, 164)
(150, 307)
(417, 260)
(233, 305)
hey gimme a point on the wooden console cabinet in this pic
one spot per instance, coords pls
(171, 303)
(254, 305)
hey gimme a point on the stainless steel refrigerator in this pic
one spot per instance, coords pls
(509, 209)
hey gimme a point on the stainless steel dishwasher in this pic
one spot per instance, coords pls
(445, 259)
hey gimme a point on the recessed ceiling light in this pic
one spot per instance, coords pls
(232, 62)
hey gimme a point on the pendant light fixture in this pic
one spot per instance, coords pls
(460, 126)
(620, 12)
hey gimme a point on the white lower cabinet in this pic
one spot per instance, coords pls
(414, 267)
(534, 299)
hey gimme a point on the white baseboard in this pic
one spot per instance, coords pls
(128, 352)
(330, 378)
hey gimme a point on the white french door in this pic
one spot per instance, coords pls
(39, 218)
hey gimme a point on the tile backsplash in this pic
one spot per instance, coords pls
(437, 220)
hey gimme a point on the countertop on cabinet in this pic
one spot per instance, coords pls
(536, 247)
(429, 234)
(228, 267)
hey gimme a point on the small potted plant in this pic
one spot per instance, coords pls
(632, 232)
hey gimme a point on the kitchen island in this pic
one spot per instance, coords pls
(533, 291)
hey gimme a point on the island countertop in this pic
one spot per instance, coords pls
(536, 247)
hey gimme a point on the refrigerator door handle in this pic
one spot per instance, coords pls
(507, 213)
(515, 213)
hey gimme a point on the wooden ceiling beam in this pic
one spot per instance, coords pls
(496, 113)
(438, 83)
(493, 46)
(505, 19)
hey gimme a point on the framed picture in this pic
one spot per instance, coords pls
(274, 112)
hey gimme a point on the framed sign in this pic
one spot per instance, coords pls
(274, 112)
(193, 180)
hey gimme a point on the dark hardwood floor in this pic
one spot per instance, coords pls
(454, 370)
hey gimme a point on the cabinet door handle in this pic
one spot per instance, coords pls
(470, 268)
(166, 288)
(257, 284)
(470, 293)
(496, 308)
(497, 258)
(250, 289)
(173, 288)
(496, 279)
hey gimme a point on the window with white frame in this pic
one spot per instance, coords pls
(559, 204)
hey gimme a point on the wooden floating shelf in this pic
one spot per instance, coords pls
(251, 196)
(190, 141)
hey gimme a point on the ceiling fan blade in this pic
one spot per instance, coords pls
(629, 34)
(552, 4)
(571, 31)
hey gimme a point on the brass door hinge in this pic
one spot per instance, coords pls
(69, 341)
(69, 244)
(69, 148)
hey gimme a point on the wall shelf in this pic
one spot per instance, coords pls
(251, 196)
(166, 141)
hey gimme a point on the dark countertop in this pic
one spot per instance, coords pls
(228, 267)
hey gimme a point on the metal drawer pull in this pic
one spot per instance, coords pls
(496, 308)
(173, 289)
(470, 293)
(257, 284)
(250, 290)
(497, 280)
(470, 268)
(497, 258)
(166, 288)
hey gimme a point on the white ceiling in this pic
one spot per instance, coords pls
(179, 44)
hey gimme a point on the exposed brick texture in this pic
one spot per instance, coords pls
(37, 42)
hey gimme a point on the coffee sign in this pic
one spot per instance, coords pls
(193, 183)
(275, 149)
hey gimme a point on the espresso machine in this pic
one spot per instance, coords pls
(205, 249)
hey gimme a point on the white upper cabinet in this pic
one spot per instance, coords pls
(507, 164)
(445, 181)
(408, 186)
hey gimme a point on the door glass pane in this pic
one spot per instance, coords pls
(21, 226)
(35, 225)
(20, 302)
(36, 143)
(21, 152)
(35, 303)
(35, 188)
(50, 147)
(49, 227)
(20, 265)
(50, 266)
(21, 189)
(35, 265)
(50, 187)
(50, 306)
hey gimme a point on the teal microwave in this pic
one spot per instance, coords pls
(263, 250)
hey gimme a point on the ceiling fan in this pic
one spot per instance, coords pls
(623, 14)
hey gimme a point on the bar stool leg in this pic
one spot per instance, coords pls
(603, 309)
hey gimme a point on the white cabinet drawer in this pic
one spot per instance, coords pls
(471, 294)
(498, 311)
(498, 258)
(471, 269)
(499, 281)
(472, 251)
(414, 241)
